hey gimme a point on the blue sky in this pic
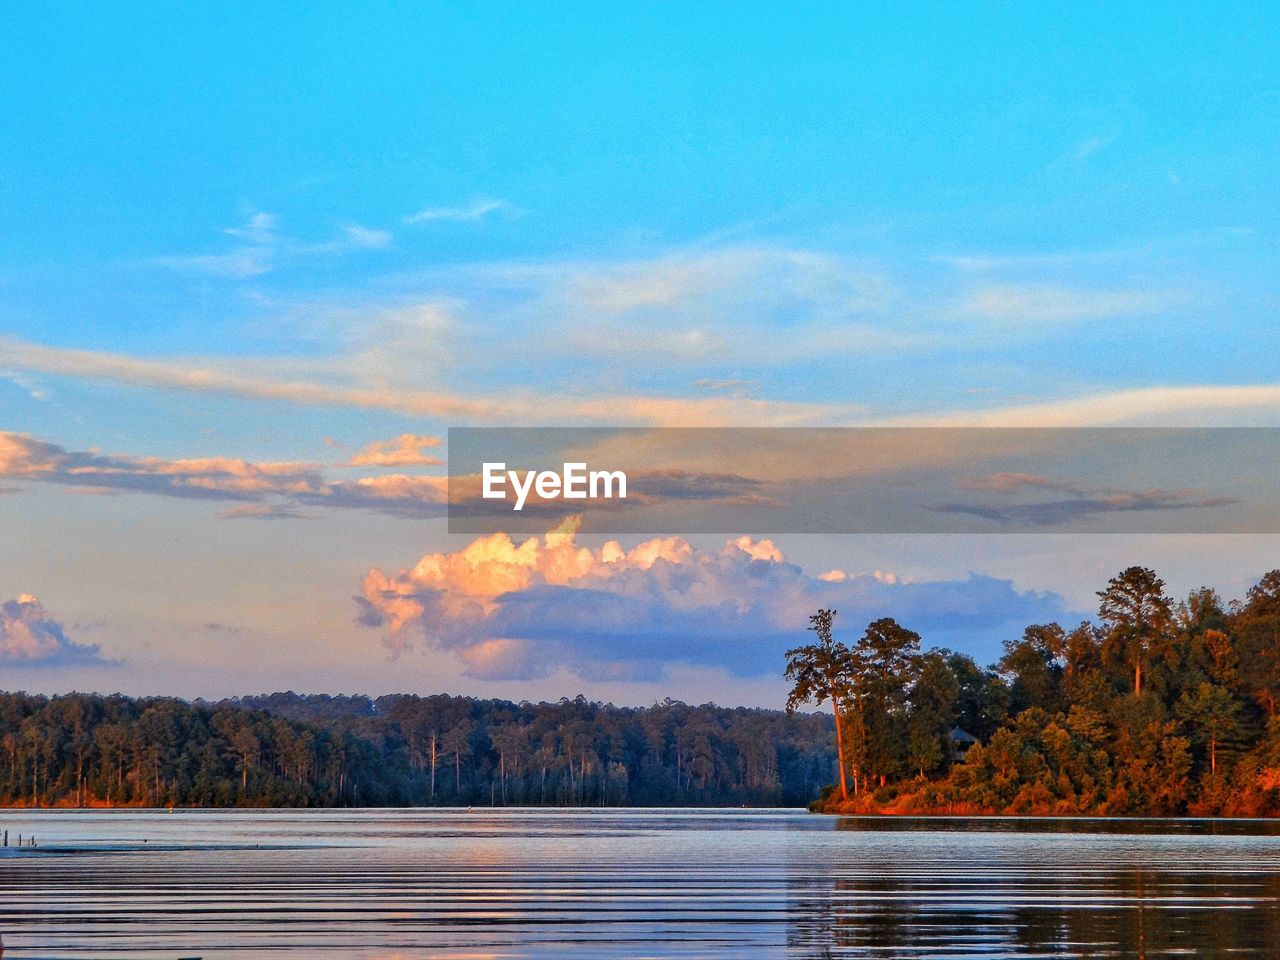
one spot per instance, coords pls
(281, 233)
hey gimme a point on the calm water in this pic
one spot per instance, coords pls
(401, 885)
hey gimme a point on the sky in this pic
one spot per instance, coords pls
(255, 260)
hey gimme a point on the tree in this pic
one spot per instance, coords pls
(982, 700)
(1034, 667)
(819, 672)
(1258, 628)
(886, 661)
(458, 742)
(932, 717)
(1138, 617)
(1213, 715)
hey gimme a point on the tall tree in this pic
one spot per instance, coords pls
(1213, 715)
(820, 672)
(887, 662)
(933, 714)
(1258, 628)
(1138, 617)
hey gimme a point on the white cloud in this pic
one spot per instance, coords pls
(1030, 304)
(462, 214)
(1145, 406)
(1087, 147)
(264, 248)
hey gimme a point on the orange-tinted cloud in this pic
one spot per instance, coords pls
(520, 609)
(278, 485)
(405, 450)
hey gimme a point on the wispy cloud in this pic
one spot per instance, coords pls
(1083, 502)
(1087, 147)
(477, 210)
(1056, 512)
(262, 511)
(471, 406)
(1177, 405)
(1007, 303)
(1009, 482)
(263, 248)
(265, 490)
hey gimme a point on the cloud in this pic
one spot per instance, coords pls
(742, 306)
(256, 255)
(1089, 146)
(1011, 303)
(1179, 406)
(30, 637)
(579, 337)
(269, 490)
(1054, 512)
(512, 609)
(464, 214)
(1084, 502)
(405, 450)
(262, 511)
(472, 406)
(263, 248)
(258, 228)
(1008, 482)
(351, 238)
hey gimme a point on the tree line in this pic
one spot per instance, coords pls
(1157, 708)
(319, 750)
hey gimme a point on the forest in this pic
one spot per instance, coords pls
(1159, 708)
(292, 750)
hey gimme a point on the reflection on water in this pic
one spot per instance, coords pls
(403, 885)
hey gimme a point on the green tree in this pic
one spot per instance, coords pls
(1033, 666)
(1213, 716)
(932, 715)
(886, 664)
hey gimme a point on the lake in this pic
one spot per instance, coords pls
(485, 885)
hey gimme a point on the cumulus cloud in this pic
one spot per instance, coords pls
(405, 450)
(30, 637)
(511, 609)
